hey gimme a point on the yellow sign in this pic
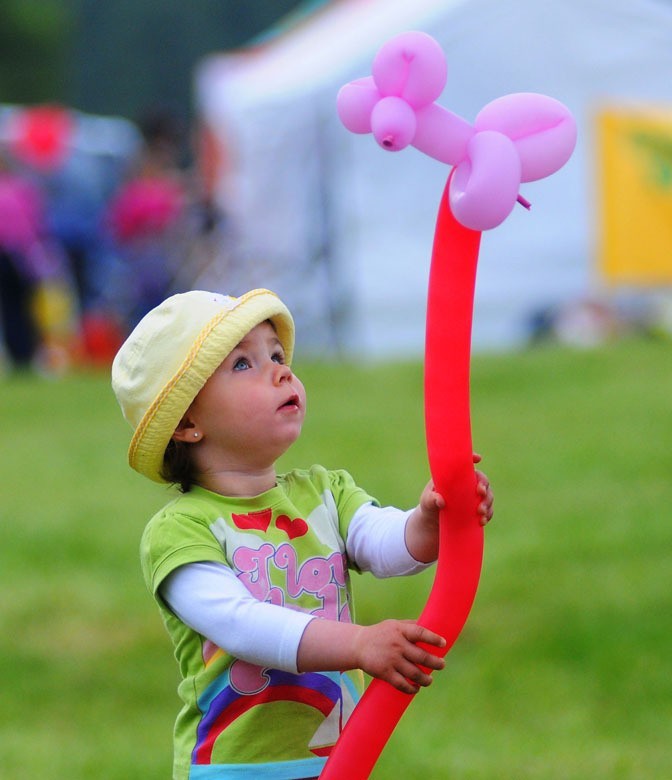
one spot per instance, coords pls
(635, 191)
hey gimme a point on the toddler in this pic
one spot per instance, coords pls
(249, 567)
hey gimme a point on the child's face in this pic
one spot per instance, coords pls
(252, 408)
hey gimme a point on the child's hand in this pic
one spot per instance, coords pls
(484, 492)
(387, 650)
(430, 504)
(422, 529)
(390, 652)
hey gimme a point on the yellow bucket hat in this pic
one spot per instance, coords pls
(172, 352)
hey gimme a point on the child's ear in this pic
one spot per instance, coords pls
(186, 430)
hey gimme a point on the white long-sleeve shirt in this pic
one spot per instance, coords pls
(210, 599)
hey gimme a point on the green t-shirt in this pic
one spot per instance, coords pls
(288, 547)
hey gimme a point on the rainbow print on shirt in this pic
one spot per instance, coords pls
(245, 686)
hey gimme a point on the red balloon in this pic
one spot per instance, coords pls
(450, 304)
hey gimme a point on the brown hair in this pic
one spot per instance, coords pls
(178, 466)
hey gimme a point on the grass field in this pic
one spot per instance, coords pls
(564, 670)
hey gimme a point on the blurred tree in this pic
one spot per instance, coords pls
(34, 42)
(124, 56)
(132, 54)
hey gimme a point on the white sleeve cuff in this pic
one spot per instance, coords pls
(210, 599)
(377, 542)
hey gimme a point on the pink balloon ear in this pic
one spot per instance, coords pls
(411, 66)
(484, 187)
(355, 102)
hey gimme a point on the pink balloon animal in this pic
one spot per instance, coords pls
(516, 138)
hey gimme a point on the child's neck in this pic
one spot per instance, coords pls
(239, 483)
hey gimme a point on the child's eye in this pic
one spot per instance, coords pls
(241, 364)
(278, 357)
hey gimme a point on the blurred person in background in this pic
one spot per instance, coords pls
(145, 217)
(28, 259)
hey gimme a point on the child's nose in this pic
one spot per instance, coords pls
(281, 373)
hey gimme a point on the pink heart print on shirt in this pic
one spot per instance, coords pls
(253, 521)
(293, 528)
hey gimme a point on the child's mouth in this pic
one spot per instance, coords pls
(291, 403)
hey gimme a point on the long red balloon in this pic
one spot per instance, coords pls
(450, 305)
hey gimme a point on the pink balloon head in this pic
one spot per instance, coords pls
(412, 67)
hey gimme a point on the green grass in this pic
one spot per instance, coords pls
(563, 670)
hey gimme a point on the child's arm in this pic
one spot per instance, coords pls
(210, 599)
(387, 650)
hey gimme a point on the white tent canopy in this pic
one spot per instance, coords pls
(343, 230)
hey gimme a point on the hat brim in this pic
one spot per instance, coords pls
(215, 341)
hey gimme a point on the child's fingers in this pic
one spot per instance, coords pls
(423, 658)
(439, 500)
(482, 482)
(413, 667)
(402, 684)
(483, 487)
(484, 491)
(414, 674)
(416, 633)
(431, 499)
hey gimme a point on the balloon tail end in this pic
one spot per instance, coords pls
(524, 202)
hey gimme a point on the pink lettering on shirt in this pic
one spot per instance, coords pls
(323, 578)
(253, 566)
